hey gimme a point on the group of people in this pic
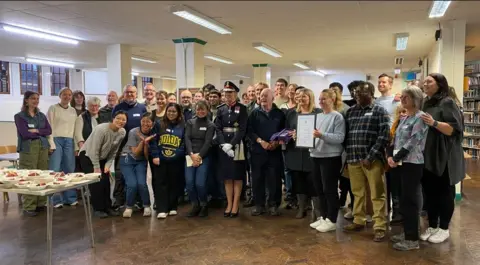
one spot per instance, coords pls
(213, 146)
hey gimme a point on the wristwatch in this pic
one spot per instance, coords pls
(435, 123)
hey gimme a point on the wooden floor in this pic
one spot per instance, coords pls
(217, 240)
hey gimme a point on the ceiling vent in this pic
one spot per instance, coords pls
(469, 48)
(398, 60)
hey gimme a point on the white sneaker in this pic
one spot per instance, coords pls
(162, 215)
(147, 211)
(348, 215)
(58, 206)
(327, 226)
(369, 218)
(75, 203)
(317, 223)
(173, 212)
(439, 236)
(428, 233)
(127, 213)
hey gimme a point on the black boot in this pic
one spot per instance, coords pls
(194, 211)
(203, 211)
(302, 201)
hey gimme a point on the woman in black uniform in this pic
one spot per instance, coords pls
(231, 126)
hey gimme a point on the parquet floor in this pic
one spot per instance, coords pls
(218, 240)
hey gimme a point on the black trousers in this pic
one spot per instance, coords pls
(410, 176)
(440, 198)
(100, 191)
(345, 189)
(326, 172)
(302, 183)
(167, 184)
(266, 173)
(119, 187)
(393, 191)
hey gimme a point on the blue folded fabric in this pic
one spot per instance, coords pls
(283, 135)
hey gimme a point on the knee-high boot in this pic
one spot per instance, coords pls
(302, 204)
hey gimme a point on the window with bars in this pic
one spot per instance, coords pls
(30, 78)
(146, 80)
(59, 79)
(4, 77)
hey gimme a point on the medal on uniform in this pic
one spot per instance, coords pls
(237, 109)
(235, 124)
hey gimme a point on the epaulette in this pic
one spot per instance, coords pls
(221, 105)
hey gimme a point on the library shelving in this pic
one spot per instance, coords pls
(471, 111)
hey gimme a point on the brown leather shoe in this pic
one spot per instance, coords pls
(353, 227)
(378, 235)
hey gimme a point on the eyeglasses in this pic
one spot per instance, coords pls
(130, 92)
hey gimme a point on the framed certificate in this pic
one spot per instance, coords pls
(305, 127)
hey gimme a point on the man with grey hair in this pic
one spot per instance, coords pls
(86, 121)
(149, 94)
(134, 112)
(105, 113)
(263, 122)
(186, 102)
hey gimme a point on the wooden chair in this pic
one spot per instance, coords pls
(7, 149)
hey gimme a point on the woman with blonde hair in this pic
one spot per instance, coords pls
(338, 103)
(329, 135)
(62, 118)
(297, 160)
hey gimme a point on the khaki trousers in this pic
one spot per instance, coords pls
(35, 158)
(361, 179)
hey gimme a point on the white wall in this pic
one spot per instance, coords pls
(346, 79)
(434, 57)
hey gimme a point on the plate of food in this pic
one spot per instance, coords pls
(10, 180)
(78, 178)
(23, 184)
(57, 184)
(38, 186)
(10, 173)
(4, 185)
(92, 176)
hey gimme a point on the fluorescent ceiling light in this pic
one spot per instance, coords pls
(143, 60)
(200, 19)
(218, 58)
(401, 41)
(135, 73)
(397, 71)
(168, 78)
(302, 65)
(439, 8)
(317, 72)
(46, 62)
(267, 49)
(39, 34)
(242, 76)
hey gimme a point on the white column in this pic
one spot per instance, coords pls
(119, 64)
(190, 71)
(212, 76)
(262, 73)
(452, 50)
(452, 62)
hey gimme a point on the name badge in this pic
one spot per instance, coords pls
(31, 125)
(203, 128)
(168, 130)
(237, 109)
(405, 127)
(136, 115)
(368, 114)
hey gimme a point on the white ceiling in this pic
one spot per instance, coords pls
(331, 35)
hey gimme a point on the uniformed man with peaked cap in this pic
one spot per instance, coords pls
(231, 123)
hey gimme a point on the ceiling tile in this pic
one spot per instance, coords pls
(52, 13)
(20, 5)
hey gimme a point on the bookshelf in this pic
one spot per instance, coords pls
(471, 111)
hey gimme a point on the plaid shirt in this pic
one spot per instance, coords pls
(367, 133)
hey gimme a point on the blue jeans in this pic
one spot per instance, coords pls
(135, 176)
(63, 160)
(196, 182)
